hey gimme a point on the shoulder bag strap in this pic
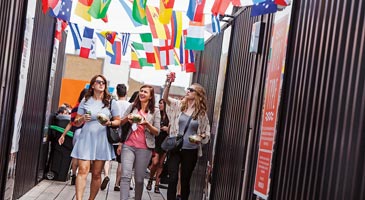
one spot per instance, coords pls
(187, 125)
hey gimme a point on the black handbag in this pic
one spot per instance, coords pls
(175, 143)
(112, 133)
(125, 129)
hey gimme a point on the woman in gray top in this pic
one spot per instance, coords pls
(93, 144)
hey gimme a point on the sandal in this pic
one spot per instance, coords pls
(157, 189)
(149, 185)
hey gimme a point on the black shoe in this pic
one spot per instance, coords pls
(117, 188)
(130, 188)
(157, 189)
(73, 179)
(149, 185)
(104, 183)
(178, 197)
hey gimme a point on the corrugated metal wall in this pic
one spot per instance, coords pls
(12, 18)
(207, 75)
(241, 109)
(321, 140)
(31, 135)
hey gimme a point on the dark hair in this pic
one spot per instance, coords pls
(62, 110)
(82, 94)
(90, 92)
(151, 103)
(134, 96)
(121, 90)
(163, 112)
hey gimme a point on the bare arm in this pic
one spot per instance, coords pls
(61, 140)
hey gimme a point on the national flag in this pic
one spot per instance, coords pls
(76, 35)
(195, 36)
(166, 53)
(157, 65)
(216, 27)
(62, 10)
(125, 42)
(99, 8)
(242, 3)
(258, 1)
(82, 8)
(45, 6)
(263, 8)
(87, 49)
(166, 7)
(117, 57)
(108, 46)
(282, 2)
(220, 7)
(140, 51)
(176, 28)
(186, 56)
(128, 10)
(148, 46)
(109, 35)
(139, 11)
(158, 30)
(195, 10)
(134, 60)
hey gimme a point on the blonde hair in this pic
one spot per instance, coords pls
(200, 102)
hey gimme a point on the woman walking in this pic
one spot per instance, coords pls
(93, 144)
(137, 149)
(159, 153)
(188, 117)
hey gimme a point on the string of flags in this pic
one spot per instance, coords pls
(165, 25)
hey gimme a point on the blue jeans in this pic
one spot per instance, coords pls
(139, 159)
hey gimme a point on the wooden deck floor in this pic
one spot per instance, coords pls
(48, 190)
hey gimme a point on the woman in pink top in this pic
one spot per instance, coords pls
(137, 149)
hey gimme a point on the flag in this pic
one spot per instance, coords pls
(109, 35)
(62, 10)
(157, 65)
(117, 57)
(58, 30)
(128, 10)
(195, 10)
(242, 3)
(186, 56)
(216, 27)
(87, 49)
(158, 30)
(108, 46)
(125, 41)
(134, 60)
(148, 46)
(166, 52)
(195, 36)
(82, 8)
(282, 2)
(258, 1)
(138, 48)
(75, 35)
(166, 7)
(220, 7)
(44, 6)
(139, 11)
(263, 8)
(99, 8)
(176, 28)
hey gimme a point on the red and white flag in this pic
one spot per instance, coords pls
(88, 42)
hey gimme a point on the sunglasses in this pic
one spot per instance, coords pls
(190, 89)
(100, 82)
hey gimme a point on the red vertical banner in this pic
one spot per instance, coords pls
(274, 79)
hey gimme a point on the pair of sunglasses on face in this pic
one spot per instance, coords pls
(190, 89)
(100, 82)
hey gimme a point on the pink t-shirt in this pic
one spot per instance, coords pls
(137, 138)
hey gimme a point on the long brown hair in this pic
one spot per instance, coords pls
(200, 102)
(151, 102)
(106, 94)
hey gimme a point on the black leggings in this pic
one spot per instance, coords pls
(188, 159)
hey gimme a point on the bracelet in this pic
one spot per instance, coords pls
(111, 124)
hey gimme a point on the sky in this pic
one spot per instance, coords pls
(119, 21)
